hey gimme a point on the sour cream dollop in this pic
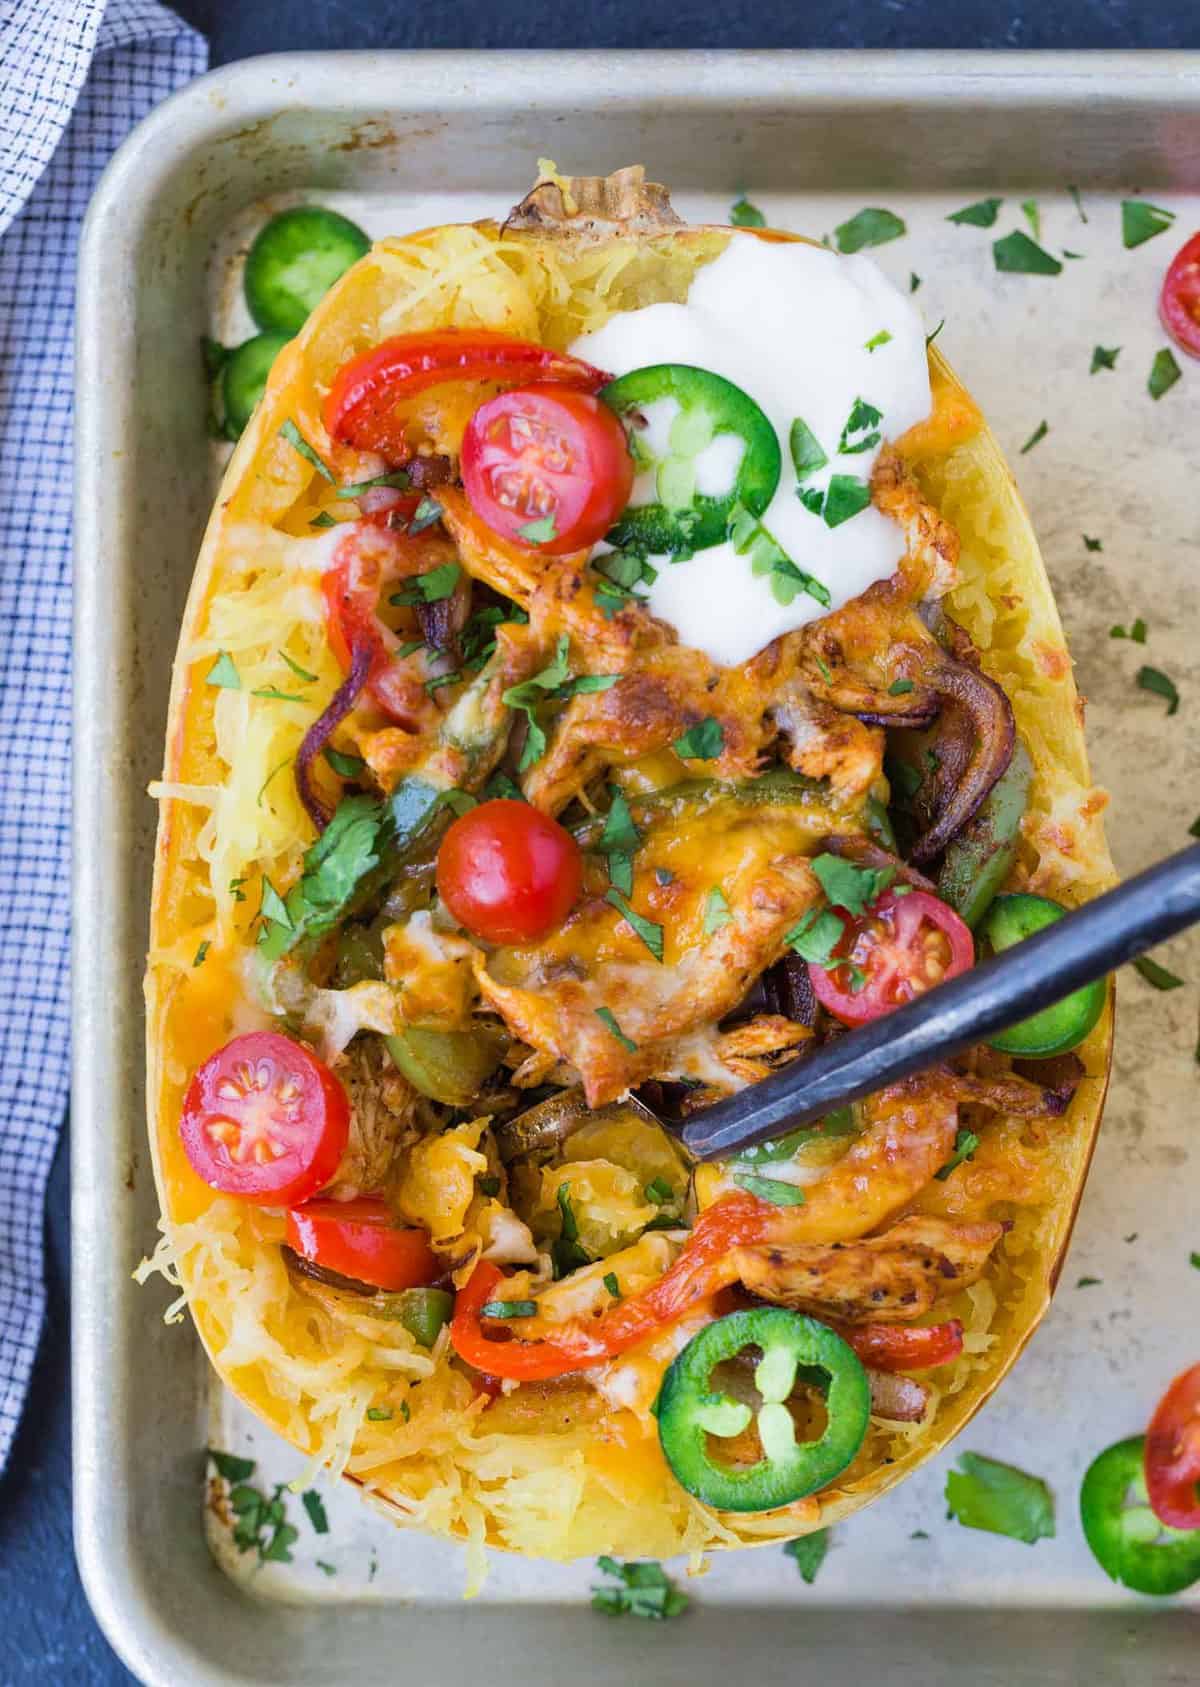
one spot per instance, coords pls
(805, 333)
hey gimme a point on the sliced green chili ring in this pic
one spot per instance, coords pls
(1129, 1542)
(447, 1066)
(979, 859)
(295, 260)
(423, 1312)
(244, 378)
(1056, 1029)
(685, 520)
(692, 1414)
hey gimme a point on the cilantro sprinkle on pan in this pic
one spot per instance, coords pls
(742, 214)
(1039, 433)
(808, 1553)
(1074, 192)
(871, 227)
(1157, 975)
(985, 1494)
(982, 214)
(1141, 221)
(1016, 254)
(1090, 544)
(641, 1590)
(1164, 372)
(1104, 357)
(1153, 679)
(1137, 632)
(1033, 216)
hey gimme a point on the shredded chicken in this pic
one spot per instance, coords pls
(890, 1278)
(383, 1120)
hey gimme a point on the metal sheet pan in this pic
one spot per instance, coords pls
(814, 136)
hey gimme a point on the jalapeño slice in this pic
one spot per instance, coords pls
(244, 378)
(695, 1414)
(1128, 1540)
(696, 492)
(1055, 1029)
(295, 260)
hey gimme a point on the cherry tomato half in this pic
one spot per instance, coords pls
(547, 467)
(265, 1119)
(1172, 1459)
(1179, 302)
(507, 872)
(902, 946)
(361, 1239)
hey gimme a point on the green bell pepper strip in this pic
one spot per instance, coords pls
(244, 378)
(295, 260)
(978, 860)
(683, 519)
(423, 1312)
(1055, 1029)
(447, 1066)
(1127, 1539)
(690, 1411)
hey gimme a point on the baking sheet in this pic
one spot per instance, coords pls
(1113, 465)
(1119, 467)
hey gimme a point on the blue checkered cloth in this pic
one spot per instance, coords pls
(75, 76)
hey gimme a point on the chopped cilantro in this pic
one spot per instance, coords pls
(397, 477)
(315, 1507)
(850, 887)
(508, 1309)
(870, 227)
(965, 1144)
(1033, 216)
(274, 695)
(500, 785)
(750, 538)
(861, 431)
(426, 513)
(1074, 192)
(716, 911)
(224, 673)
(591, 682)
(202, 952)
(642, 1590)
(808, 1553)
(300, 673)
(1016, 254)
(930, 338)
(236, 891)
(703, 742)
(261, 1524)
(525, 697)
(612, 1285)
(650, 934)
(985, 1494)
(1039, 433)
(1088, 1282)
(1104, 357)
(1090, 544)
(816, 935)
(607, 1017)
(1156, 975)
(232, 1468)
(1164, 372)
(431, 587)
(379, 1414)
(1141, 221)
(742, 214)
(877, 340)
(297, 441)
(659, 1191)
(900, 688)
(1194, 1260)
(982, 214)
(347, 767)
(566, 1252)
(807, 454)
(1137, 632)
(322, 519)
(771, 1189)
(539, 532)
(823, 665)
(1153, 679)
(329, 1569)
(273, 906)
(847, 496)
(914, 281)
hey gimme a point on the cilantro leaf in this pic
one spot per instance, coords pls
(847, 496)
(1137, 632)
(900, 688)
(508, 1309)
(231, 1467)
(273, 907)
(539, 532)
(379, 1414)
(1164, 372)
(1141, 221)
(985, 1494)
(620, 833)
(702, 742)
(659, 1191)
(1090, 544)
(224, 673)
(202, 952)
(850, 887)
(323, 519)
(808, 1553)
(315, 1507)
(750, 538)
(431, 587)
(1153, 679)
(807, 454)
(611, 1284)
(1033, 216)
(297, 441)
(1039, 433)
(870, 227)
(642, 1590)
(744, 215)
(877, 340)
(566, 1253)
(426, 513)
(914, 281)
(862, 421)
(396, 477)
(816, 935)
(982, 214)
(965, 1144)
(1074, 192)
(347, 767)
(1104, 357)
(650, 934)
(1088, 1282)
(771, 1189)
(1016, 254)
(1156, 975)
(607, 1017)
(717, 914)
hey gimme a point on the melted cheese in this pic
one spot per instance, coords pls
(790, 324)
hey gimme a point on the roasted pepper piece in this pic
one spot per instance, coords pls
(447, 1066)
(1056, 1029)
(978, 861)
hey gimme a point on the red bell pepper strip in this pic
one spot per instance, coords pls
(904, 1347)
(360, 407)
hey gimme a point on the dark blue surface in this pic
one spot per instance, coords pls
(48, 1632)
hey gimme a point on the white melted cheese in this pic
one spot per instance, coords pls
(789, 324)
